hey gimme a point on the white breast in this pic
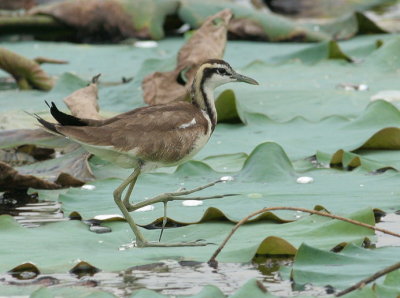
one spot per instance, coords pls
(203, 139)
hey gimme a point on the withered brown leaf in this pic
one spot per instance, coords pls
(10, 179)
(83, 102)
(206, 43)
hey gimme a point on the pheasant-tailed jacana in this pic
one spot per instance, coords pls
(154, 136)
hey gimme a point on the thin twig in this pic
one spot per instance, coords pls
(369, 279)
(42, 60)
(212, 260)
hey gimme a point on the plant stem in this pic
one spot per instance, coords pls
(369, 279)
(212, 260)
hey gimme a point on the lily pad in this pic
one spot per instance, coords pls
(249, 240)
(343, 269)
(272, 27)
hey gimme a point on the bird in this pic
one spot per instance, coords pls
(150, 137)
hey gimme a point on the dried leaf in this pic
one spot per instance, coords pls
(39, 137)
(67, 180)
(25, 154)
(246, 29)
(10, 179)
(83, 102)
(90, 17)
(162, 87)
(71, 169)
(17, 4)
(111, 20)
(26, 72)
(208, 42)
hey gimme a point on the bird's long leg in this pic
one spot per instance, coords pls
(129, 191)
(140, 240)
(166, 197)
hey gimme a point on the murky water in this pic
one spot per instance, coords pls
(176, 278)
(28, 210)
(389, 222)
(167, 277)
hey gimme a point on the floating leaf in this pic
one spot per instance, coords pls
(350, 25)
(246, 243)
(340, 270)
(316, 53)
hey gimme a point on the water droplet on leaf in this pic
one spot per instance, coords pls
(227, 178)
(88, 187)
(145, 208)
(254, 195)
(192, 203)
(305, 180)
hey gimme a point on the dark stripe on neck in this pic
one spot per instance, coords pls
(207, 73)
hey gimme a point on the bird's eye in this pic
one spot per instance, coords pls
(222, 71)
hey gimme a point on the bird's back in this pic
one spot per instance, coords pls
(162, 135)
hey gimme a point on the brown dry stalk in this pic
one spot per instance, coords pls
(369, 279)
(212, 260)
(42, 60)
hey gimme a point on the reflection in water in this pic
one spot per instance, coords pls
(28, 210)
(171, 277)
(389, 222)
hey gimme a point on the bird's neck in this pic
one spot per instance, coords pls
(202, 96)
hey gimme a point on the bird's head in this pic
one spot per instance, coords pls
(215, 72)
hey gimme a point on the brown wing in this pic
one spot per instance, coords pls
(159, 133)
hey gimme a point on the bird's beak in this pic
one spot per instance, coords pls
(242, 78)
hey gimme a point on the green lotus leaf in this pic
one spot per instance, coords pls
(307, 104)
(274, 26)
(351, 24)
(97, 249)
(342, 270)
(316, 53)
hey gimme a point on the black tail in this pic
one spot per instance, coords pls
(49, 126)
(62, 118)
